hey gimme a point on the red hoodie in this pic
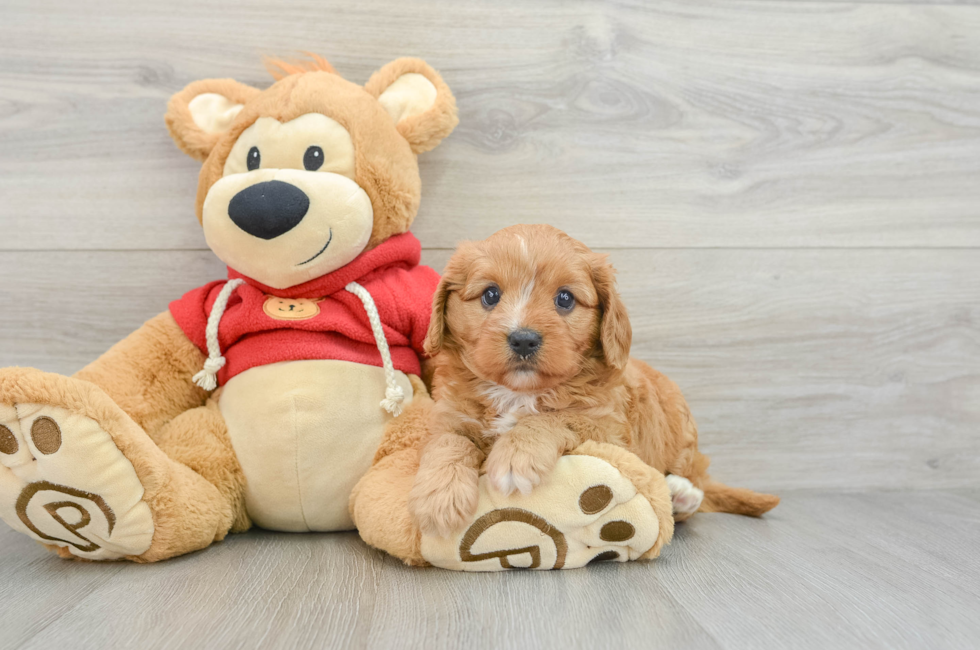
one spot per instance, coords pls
(261, 326)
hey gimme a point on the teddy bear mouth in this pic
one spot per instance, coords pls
(329, 239)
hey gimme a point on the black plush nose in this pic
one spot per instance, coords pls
(524, 342)
(267, 210)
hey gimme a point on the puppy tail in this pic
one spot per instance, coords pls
(719, 497)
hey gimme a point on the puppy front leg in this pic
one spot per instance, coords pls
(446, 489)
(527, 453)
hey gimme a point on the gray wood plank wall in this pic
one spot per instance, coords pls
(789, 190)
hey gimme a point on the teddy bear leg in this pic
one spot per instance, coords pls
(379, 502)
(80, 476)
(599, 503)
(379, 507)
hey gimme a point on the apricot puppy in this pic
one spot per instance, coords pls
(531, 349)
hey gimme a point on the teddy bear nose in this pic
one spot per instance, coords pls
(269, 209)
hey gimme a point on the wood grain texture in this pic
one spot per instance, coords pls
(787, 188)
(686, 124)
(814, 368)
(896, 570)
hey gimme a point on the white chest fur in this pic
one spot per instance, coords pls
(305, 432)
(509, 406)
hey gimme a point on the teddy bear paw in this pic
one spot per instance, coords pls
(64, 483)
(584, 511)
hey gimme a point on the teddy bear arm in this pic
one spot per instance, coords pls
(149, 373)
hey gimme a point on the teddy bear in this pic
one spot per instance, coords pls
(289, 395)
(261, 398)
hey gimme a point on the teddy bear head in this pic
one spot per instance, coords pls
(302, 177)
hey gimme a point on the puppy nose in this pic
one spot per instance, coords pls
(267, 210)
(524, 342)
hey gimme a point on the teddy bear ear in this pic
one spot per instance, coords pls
(199, 114)
(417, 99)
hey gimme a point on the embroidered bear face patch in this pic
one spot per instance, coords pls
(290, 308)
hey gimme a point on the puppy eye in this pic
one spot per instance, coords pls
(313, 158)
(254, 159)
(564, 301)
(490, 297)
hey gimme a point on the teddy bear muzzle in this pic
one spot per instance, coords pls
(283, 227)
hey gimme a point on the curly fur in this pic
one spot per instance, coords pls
(580, 386)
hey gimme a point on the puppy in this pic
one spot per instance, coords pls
(530, 343)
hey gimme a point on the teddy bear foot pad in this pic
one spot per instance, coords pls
(64, 483)
(585, 511)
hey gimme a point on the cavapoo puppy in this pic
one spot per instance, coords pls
(531, 343)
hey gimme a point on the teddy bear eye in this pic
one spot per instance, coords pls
(490, 297)
(313, 159)
(564, 301)
(254, 159)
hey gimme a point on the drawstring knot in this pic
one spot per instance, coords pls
(394, 396)
(208, 378)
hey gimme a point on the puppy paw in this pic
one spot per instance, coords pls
(685, 497)
(513, 468)
(443, 502)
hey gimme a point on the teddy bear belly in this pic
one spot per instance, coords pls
(305, 432)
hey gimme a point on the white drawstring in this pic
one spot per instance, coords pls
(394, 395)
(208, 378)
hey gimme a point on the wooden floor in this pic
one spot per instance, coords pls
(888, 570)
(790, 191)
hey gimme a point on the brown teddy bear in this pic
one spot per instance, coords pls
(307, 192)
(264, 398)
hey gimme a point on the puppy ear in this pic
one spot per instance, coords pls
(437, 323)
(417, 99)
(200, 114)
(453, 279)
(615, 332)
